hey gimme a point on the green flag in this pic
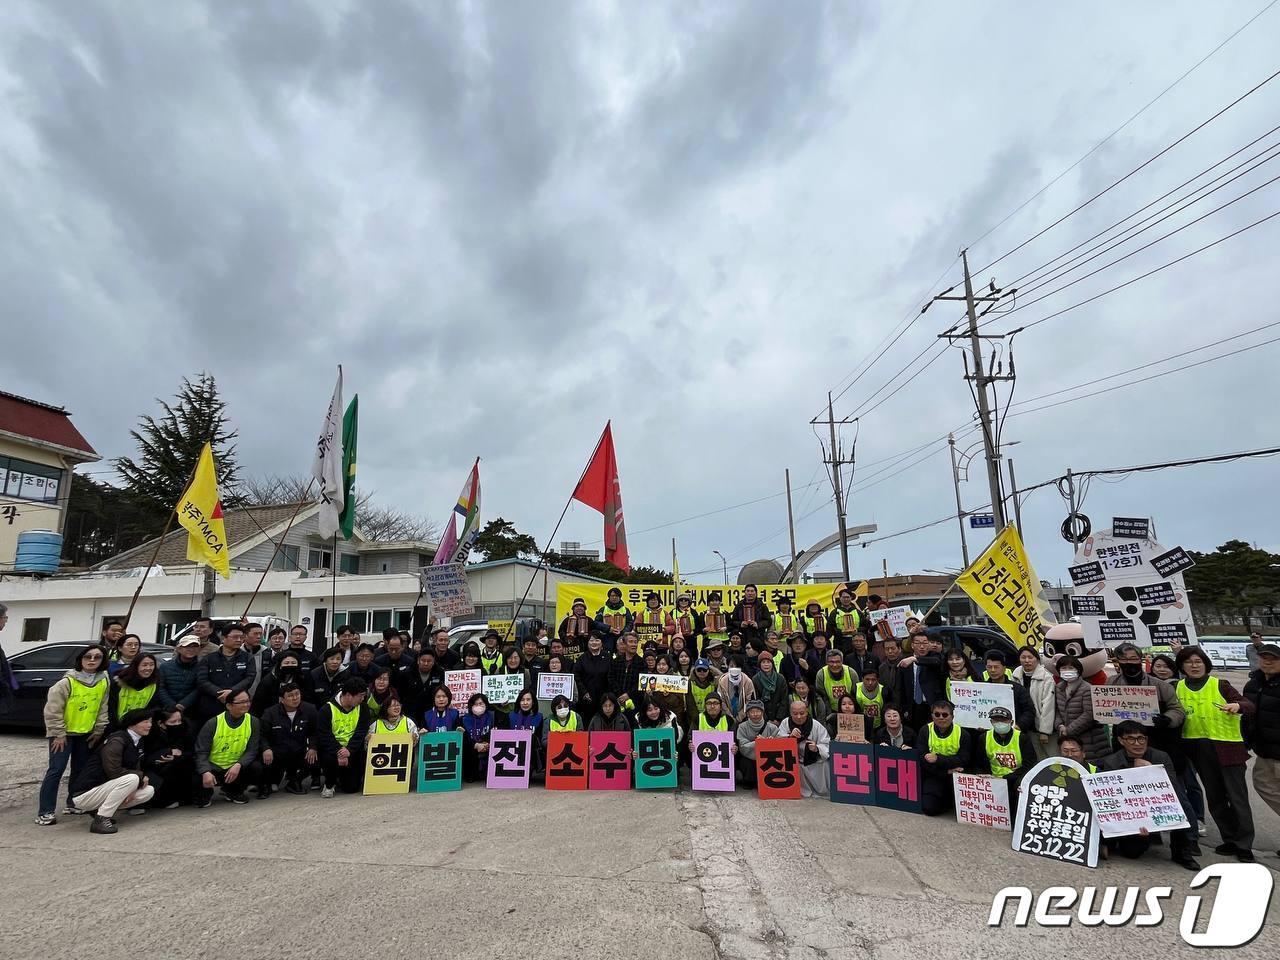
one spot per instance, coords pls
(347, 519)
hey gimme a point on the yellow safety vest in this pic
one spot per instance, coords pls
(864, 701)
(786, 623)
(999, 755)
(700, 694)
(83, 703)
(229, 742)
(569, 726)
(947, 746)
(986, 676)
(845, 684)
(813, 625)
(490, 664)
(847, 621)
(130, 699)
(343, 722)
(677, 617)
(650, 617)
(1204, 720)
(402, 726)
(721, 725)
(716, 628)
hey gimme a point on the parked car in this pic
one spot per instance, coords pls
(219, 623)
(465, 632)
(39, 668)
(973, 641)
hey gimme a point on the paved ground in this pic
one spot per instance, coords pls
(506, 874)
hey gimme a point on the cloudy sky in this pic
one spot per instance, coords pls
(513, 222)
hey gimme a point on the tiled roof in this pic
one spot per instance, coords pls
(40, 421)
(243, 524)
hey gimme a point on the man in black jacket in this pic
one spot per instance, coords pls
(225, 671)
(591, 676)
(446, 658)
(1263, 689)
(420, 685)
(112, 779)
(290, 743)
(1024, 711)
(750, 616)
(624, 672)
(395, 658)
(298, 644)
(326, 678)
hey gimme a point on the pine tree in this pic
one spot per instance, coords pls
(169, 446)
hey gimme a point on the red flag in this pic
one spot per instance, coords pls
(599, 490)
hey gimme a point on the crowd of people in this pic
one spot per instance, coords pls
(234, 712)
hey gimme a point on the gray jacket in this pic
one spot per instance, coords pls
(220, 672)
(204, 743)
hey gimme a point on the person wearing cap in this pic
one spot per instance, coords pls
(1009, 752)
(702, 683)
(1253, 651)
(112, 779)
(683, 619)
(1263, 689)
(227, 752)
(715, 622)
(714, 718)
(491, 653)
(813, 744)
(750, 616)
(813, 620)
(1213, 737)
(843, 621)
(1135, 750)
(997, 671)
(716, 655)
(177, 687)
(757, 724)
(785, 620)
(623, 680)
(834, 680)
(944, 748)
(650, 620)
(735, 689)
(574, 629)
(613, 619)
(795, 663)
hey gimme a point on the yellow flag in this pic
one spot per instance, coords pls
(200, 511)
(1003, 583)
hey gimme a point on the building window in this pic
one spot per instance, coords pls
(404, 619)
(35, 630)
(286, 558)
(29, 481)
(349, 562)
(358, 620)
(319, 560)
(381, 620)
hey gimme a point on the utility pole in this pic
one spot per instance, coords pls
(981, 381)
(1013, 493)
(955, 480)
(208, 593)
(791, 523)
(836, 460)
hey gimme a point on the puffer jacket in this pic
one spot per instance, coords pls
(1042, 698)
(1073, 709)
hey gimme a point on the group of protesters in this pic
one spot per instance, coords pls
(234, 711)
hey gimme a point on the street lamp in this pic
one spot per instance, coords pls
(723, 563)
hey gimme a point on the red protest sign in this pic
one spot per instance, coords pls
(567, 761)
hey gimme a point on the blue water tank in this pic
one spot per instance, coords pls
(38, 551)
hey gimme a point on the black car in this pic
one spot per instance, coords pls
(974, 642)
(39, 668)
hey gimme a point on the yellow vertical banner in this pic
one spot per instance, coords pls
(1004, 585)
(200, 513)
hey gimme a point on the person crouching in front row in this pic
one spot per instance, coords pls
(112, 779)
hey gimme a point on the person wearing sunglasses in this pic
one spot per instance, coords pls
(75, 717)
(944, 748)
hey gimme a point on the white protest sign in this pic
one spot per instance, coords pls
(1125, 801)
(982, 800)
(503, 688)
(552, 685)
(1113, 704)
(463, 684)
(447, 590)
(663, 683)
(895, 617)
(974, 702)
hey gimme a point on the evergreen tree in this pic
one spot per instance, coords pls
(168, 447)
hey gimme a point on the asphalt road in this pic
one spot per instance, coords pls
(515, 874)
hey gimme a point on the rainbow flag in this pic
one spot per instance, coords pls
(455, 547)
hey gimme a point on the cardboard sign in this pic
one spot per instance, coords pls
(655, 762)
(510, 757)
(447, 590)
(1055, 817)
(440, 761)
(503, 688)
(1171, 562)
(1156, 595)
(894, 617)
(610, 764)
(1126, 801)
(552, 685)
(897, 779)
(1083, 573)
(713, 761)
(853, 773)
(982, 800)
(463, 684)
(1088, 605)
(388, 764)
(777, 768)
(663, 683)
(975, 701)
(1113, 704)
(567, 761)
(1131, 528)
(851, 728)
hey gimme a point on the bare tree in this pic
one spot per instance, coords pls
(377, 523)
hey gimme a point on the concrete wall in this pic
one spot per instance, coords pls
(18, 515)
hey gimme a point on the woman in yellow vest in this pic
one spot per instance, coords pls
(132, 688)
(75, 717)
(1215, 745)
(392, 721)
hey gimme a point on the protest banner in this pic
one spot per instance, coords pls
(895, 619)
(975, 700)
(1126, 801)
(1003, 583)
(1113, 704)
(610, 760)
(567, 761)
(552, 685)
(1131, 528)
(388, 764)
(982, 800)
(633, 595)
(510, 757)
(663, 683)
(713, 761)
(503, 688)
(897, 778)
(1055, 818)
(502, 626)
(463, 684)
(447, 590)
(440, 761)
(851, 728)
(853, 773)
(655, 764)
(777, 768)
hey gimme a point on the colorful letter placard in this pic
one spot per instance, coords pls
(610, 767)
(388, 764)
(655, 758)
(440, 761)
(897, 779)
(777, 768)
(567, 761)
(853, 773)
(713, 760)
(510, 756)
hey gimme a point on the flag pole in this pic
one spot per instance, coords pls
(160, 540)
(333, 596)
(515, 614)
(278, 543)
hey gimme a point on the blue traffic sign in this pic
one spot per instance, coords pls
(978, 521)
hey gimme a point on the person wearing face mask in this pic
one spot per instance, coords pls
(477, 726)
(287, 669)
(1009, 753)
(169, 760)
(1166, 727)
(563, 719)
(1073, 710)
(735, 689)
